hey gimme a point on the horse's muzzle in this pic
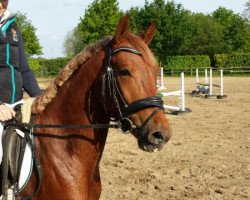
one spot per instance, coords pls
(154, 141)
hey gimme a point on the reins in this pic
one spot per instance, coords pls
(60, 126)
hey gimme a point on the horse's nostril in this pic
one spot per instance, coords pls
(156, 137)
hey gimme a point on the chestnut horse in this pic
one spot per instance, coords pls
(113, 81)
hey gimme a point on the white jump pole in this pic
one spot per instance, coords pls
(182, 95)
(197, 75)
(211, 82)
(221, 82)
(199, 86)
(206, 80)
(221, 96)
(210, 95)
(162, 87)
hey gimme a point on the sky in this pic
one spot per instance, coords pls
(53, 19)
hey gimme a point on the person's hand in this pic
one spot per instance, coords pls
(6, 113)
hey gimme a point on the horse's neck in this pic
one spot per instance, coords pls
(75, 103)
(75, 100)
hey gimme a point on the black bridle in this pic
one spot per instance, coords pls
(125, 110)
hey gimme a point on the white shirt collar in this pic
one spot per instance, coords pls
(5, 16)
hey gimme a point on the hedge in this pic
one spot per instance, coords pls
(233, 60)
(35, 66)
(51, 67)
(187, 62)
(47, 67)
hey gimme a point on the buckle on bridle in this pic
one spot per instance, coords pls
(126, 125)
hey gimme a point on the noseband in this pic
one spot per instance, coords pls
(109, 80)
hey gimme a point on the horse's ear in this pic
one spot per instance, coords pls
(148, 35)
(122, 28)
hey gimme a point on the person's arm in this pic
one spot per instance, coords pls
(30, 84)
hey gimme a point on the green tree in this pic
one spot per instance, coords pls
(246, 13)
(172, 36)
(99, 21)
(72, 43)
(235, 29)
(206, 35)
(31, 42)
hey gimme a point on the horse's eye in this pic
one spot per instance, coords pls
(124, 72)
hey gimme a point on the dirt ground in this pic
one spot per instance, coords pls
(207, 158)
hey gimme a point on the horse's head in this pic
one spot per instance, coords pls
(131, 75)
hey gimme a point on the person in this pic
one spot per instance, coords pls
(15, 73)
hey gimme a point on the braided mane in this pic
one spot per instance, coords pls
(42, 101)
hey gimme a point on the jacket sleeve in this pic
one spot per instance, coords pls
(30, 84)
